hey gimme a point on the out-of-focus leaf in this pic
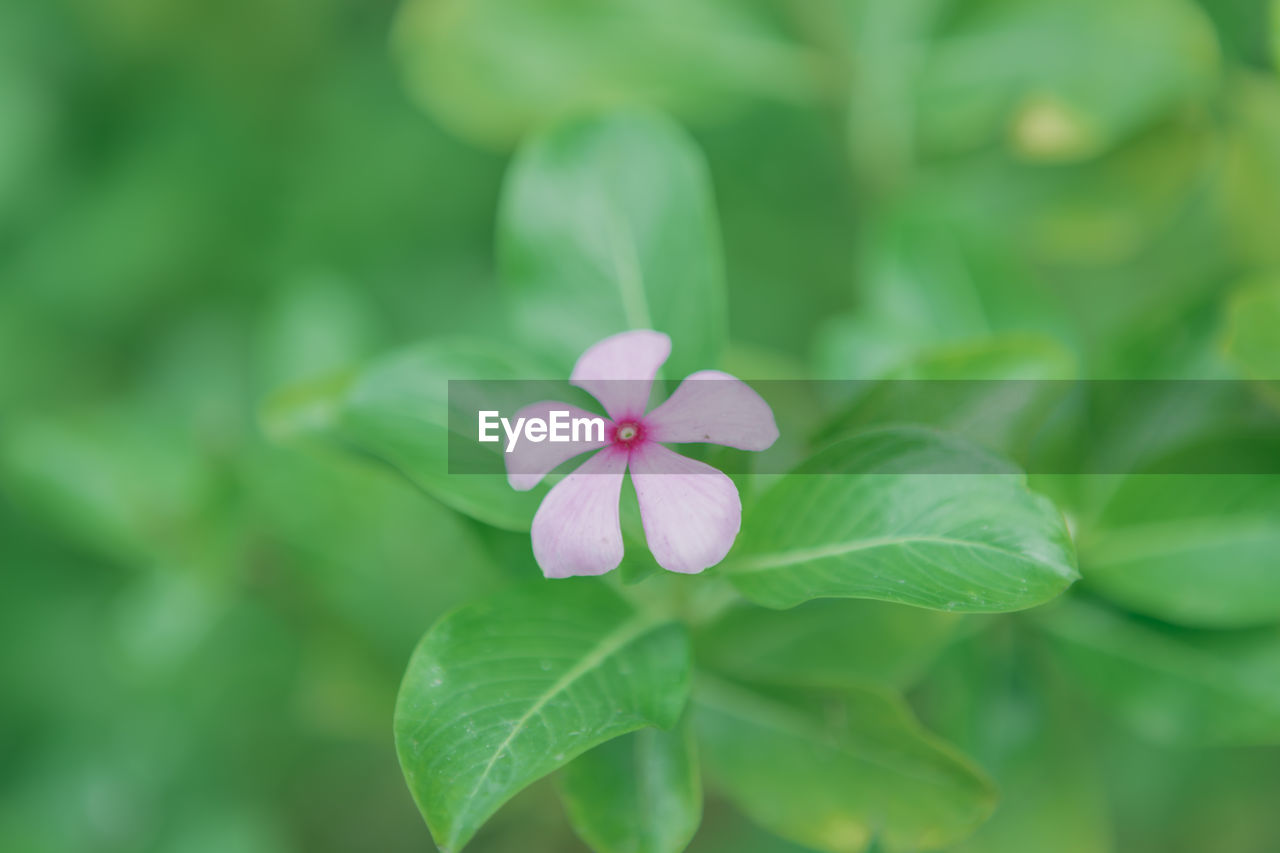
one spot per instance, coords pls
(639, 793)
(389, 562)
(851, 345)
(997, 392)
(786, 230)
(27, 109)
(884, 42)
(397, 411)
(1051, 799)
(992, 697)
(1063, 81)
(122, 485)
(95, 253)
(317, 326)
(215, 830)
(306, 412)
(962, 389)
(1250, 188)
(827, 644)
(1087, 216)
(1245, 29)
(608, 224)
(798, 406)
(838, 775)
(1070, 251)
(904, 515)
(501, 692)
(1056, 83)
(1171, 684)
(1109, 210)
(1196, 549)
(1220, 799)
(1275, 32)
(933, 282)
(1253, 330)
(1007, 356)
(492, 70)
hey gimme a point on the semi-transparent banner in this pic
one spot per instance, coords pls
(1039, 426)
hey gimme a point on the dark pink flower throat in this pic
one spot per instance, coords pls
(627, 434)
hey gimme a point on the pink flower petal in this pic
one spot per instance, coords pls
(530, 461)
(691, 511)
(619, 371)
(714, 407)
(576, 529)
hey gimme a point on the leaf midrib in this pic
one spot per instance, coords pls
(609, 645)
(777, 559)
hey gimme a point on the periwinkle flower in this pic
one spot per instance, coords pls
(690, 511)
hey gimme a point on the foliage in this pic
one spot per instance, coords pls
(244, 247)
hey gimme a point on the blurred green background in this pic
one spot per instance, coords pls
(204, 202)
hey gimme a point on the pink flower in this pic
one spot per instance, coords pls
(690, 511)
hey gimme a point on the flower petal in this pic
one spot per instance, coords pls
(530, 461)
(618, 371)
(691, 511)
(714, 407)
(576, 529)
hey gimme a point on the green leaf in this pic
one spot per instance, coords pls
(118, 482)
(1012, 355)
(492, 69)
(1250, 179)
(1101, 213)
(315, 327)
(418, 559)
(1169, 684)
(1195, 549)
(838, 775)
(640, 793)
(1055, 82)
(1072, 79)
(993, 697)
(1274, 40)
(828, 644)
(397, 411)
(1253, 318)
(502, 692)
(307, 411)
(608, 224)
(904, 515)
(960, 388)
(934, 285)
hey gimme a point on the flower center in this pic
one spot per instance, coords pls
(628, 434)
